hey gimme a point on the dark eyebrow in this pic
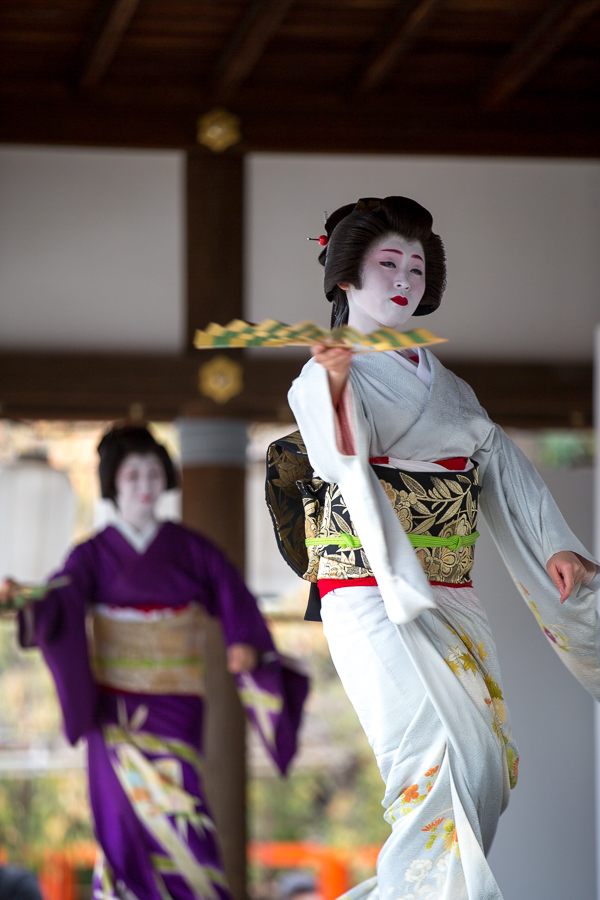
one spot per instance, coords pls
(389, 250)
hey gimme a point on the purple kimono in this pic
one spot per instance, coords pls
(130, 680)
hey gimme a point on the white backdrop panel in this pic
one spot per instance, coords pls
(521, 238)
(91, 249)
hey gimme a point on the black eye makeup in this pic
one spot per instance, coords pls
(388, 264)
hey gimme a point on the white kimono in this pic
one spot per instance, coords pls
(418, 661)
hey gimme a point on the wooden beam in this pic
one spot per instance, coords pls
(404, 31)
(341, 129)
(160, 387)
(556, 26)
(113, 23)
(523, 395)
(214, 239)
(246, 45)
(102, 386)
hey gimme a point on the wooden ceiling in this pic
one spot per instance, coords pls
(507, 77)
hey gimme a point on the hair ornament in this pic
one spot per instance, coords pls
(323, 240)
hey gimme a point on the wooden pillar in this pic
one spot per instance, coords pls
(214, 239)
(213, 463)
(213, 466)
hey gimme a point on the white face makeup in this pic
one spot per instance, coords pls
(140, 480)
(393, 283)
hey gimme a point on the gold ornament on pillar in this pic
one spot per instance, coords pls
(221, 379)
(218, 130)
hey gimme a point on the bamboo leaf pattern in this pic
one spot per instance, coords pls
(441, 487)
(413, 485)
(452, 511)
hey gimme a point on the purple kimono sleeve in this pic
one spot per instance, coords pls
(273, 694)
(59, 631)
(231, 601)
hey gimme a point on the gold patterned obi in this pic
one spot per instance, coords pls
(437, 510)
(160, 651)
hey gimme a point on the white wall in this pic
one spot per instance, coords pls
(521, 238)
(92, 246)
(91, 249)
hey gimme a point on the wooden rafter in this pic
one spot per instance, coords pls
(245, 47)
(114, 22)
(556, 26)
(404, 30)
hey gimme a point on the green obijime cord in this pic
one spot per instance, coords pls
(352, 542)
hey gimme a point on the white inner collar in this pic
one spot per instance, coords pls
(139, 540)
(421, 370)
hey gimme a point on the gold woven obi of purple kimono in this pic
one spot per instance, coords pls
(160, 651)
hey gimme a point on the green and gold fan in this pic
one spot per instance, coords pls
(271, 333)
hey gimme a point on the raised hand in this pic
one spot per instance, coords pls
(241, 658)
(567, 569)
(337, 362)
(9, 592)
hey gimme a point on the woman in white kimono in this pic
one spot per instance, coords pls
(393, 453)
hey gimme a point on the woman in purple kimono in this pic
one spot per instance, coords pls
(123, 640)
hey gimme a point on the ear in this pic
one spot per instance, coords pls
(345, 285)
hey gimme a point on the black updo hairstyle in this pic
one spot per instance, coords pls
(353, 229)
(117, 444)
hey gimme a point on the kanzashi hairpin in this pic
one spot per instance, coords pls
(322, 239)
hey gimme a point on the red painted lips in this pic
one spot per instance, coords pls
(401, 301)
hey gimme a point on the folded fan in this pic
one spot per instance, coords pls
(28, 593)
(271, 333)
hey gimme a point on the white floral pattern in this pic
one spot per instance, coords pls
(418, 869)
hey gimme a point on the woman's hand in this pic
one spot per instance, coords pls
(566, 569)
(241, 658)
(337, 362)
(9, 591)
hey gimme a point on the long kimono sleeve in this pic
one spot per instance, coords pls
(273, 694)
(57, 626)
(404, 588)
(528, 528)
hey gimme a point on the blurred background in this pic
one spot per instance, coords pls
(161, 166)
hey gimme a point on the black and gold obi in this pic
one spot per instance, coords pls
(316, 537)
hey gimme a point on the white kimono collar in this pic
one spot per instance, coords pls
(139, 540)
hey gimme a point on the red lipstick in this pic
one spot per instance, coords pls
(401, 301)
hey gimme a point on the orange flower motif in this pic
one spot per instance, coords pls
(515, 768)
(429, 786)
(411, 793)
(431, 771)
(433, 824)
